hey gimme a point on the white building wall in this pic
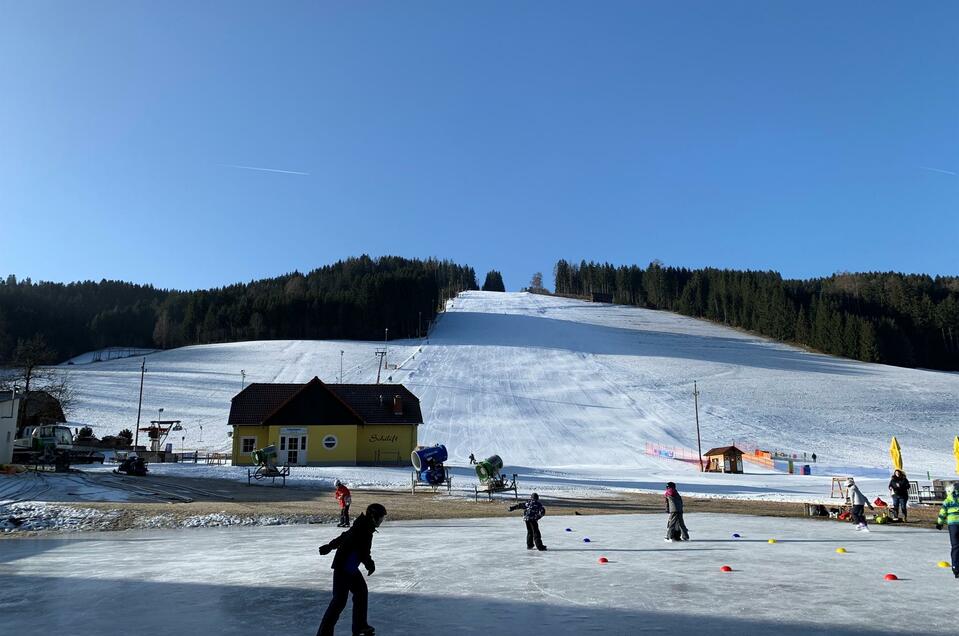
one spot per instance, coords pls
(8, 428)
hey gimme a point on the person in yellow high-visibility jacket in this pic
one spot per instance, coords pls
(949, 515)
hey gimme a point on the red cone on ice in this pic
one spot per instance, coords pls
(603, 560)
(725, 568)
(891, 577)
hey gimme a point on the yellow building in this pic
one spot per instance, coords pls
(317, 424)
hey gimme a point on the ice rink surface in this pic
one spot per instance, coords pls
(476, 577)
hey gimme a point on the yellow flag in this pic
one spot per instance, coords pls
(955, 452)
(896, 453)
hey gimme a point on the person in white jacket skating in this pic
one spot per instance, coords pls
(858, 501)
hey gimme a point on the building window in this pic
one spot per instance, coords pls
(247, 444)
(329, 442)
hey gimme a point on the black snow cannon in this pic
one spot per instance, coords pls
(428, 464)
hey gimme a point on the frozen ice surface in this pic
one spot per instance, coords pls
(476, 577)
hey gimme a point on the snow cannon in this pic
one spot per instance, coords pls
(488, 469)
(428, 463)
(265, 456)
(422, 457)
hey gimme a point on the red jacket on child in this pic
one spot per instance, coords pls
(342, 495)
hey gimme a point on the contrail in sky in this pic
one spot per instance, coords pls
(230, 165)
(955, 174)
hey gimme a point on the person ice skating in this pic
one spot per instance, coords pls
(533, 511)
(949, 515)
(675, 526)
(899, 488)
(352, 548)
(344, 498)
(857, 500)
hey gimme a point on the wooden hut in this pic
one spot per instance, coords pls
(725, 459)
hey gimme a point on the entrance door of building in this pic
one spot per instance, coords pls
(293, 446)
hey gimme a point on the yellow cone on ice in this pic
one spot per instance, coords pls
(841, 550)
(772, 541)
(944, 564)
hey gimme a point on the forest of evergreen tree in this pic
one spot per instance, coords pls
(909, 320)
(353, 299)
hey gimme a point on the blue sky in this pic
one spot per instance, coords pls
(804, 137)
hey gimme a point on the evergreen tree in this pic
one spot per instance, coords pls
(910, 320)
(494, 282)
(355, 298)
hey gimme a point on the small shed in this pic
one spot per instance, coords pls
(725, 459)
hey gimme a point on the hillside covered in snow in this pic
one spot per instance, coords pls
(549, 382)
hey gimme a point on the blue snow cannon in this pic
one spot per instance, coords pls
(428, 463)
(423, 457)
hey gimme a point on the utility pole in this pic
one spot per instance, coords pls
(242, 379)
(419, 324)
(386, 346)
(699, 443)
(381, 354)
(341, 366)
(136, 434)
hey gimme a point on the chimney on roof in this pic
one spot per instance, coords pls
(397, 405)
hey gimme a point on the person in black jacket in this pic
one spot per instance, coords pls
(533, 511)
(899, 489)
(676, 529)
(352, 548)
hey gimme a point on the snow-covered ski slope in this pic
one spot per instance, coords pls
(549, 382)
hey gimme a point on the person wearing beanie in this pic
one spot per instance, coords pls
(858, 501)
(353, 548)
(533, 511)
(949, 515)
(344, 498)
(675, 526)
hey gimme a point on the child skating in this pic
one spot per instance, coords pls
(675, 526)
(533, 511)
(949, 515)
(344, 498)
(858, 501)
